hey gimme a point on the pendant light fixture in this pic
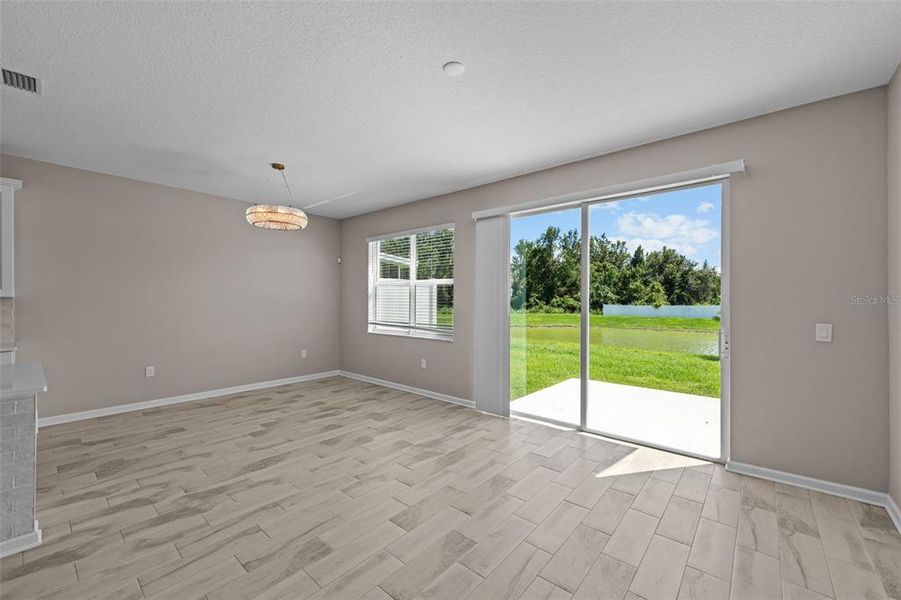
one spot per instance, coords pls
(277, 216)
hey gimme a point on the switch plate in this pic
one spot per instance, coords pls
(303, 353)
(823, 332)
(149, 371)
(422, 364)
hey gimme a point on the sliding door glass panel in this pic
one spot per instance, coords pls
(545, 252)
(653, 352)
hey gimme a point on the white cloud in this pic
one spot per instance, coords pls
(672, 230)
(705, 206)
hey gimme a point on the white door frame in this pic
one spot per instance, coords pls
(726, 321)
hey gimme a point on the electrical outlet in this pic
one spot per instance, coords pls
(422, 364)
(149, 371)
(823, 332)
(303, 353)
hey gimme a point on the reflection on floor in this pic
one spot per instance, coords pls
(669, 419)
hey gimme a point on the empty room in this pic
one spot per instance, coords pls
(450, 300)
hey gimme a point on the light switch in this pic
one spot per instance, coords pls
(149, 371)
(823, 332)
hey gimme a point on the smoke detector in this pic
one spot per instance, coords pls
(453, 68)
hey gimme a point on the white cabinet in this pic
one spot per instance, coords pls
(8, 189)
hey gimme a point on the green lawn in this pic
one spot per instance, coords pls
(538, 361)
(445, 317)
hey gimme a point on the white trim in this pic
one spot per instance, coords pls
(15, 184)
(584, 316)
(408, 388)
(410, 332)
(134, 406)
(892, 509)
(820, 485)
(725, 320)
(388, 236)
(21, 543)
(651, 184)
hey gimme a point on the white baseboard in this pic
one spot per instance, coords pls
(407, 388)
(123, 408)
(21, 543)
(892, 509)
(820, 485)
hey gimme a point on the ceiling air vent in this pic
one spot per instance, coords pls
(20, 81)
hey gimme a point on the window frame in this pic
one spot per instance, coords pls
(410, 328)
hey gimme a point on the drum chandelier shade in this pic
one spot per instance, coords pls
(274, 216)
(277, 216)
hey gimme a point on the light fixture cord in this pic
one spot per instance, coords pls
(266, 183)
(288, 187)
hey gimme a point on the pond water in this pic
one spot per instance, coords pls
(691, 342)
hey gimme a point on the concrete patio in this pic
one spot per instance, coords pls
(669, 419)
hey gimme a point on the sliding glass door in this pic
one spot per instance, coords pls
(640, 360)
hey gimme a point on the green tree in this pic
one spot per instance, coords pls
(546, 275)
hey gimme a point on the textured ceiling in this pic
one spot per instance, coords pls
(352, 96)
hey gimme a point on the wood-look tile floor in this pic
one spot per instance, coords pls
(340, 489)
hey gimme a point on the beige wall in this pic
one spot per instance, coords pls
(893, 154)
(114, 274)
(808, 233)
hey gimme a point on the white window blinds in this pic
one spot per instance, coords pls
(411, 284)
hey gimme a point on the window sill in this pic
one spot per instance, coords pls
(401, 332)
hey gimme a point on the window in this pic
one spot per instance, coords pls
(411, 283)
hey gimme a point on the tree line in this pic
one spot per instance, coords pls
(546, 275)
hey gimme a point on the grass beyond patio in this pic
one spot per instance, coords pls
(539, 360)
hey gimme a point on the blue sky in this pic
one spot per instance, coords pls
(687, 220)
